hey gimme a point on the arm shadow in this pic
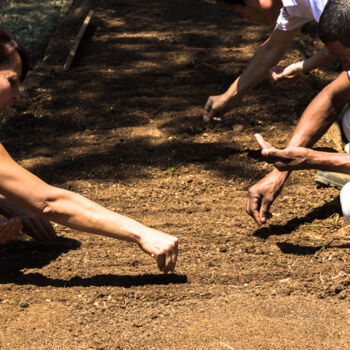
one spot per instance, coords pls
(18, 255)
(296, 249)
(104, 280)
(322, 212)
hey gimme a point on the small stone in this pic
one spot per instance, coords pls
(238, 128)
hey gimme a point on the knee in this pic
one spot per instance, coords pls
(345, 201)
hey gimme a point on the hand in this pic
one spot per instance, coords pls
(162, 247)
(37, 227)
(287, 74)
(293, 158)
(215, 108)
(262, 195)
(9, 228)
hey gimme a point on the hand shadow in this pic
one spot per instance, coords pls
(322, 212)
(18, 255)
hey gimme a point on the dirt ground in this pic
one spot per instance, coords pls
(124, 128)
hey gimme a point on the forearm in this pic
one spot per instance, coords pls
(326, 161)
(265, 57)
(321, 58)
(321, 113)
(278, 178)
(75, 211)
(62, 206)
(254, 74)
(314, 122)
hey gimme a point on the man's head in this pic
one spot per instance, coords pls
(262, 11)
(334, 30)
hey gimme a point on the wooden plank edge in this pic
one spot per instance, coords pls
(77, 40)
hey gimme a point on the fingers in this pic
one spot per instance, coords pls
(170, 259)
(253, 207)
(262, 143)
(45, 228)
(258, 209)
(9, 229)
(50, 231)
(264, 213)
(39, 228)
(207, 114)
(174, 255)
(210, 112)
(31, 228)
(279, 158)
(160, 261)
(276, 73)
(167, 261)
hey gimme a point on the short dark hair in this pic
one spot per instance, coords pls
(8, 46)
(234, 2)
(334, 23)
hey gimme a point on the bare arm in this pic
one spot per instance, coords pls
(32, 224)
(298, 158)
(314, 122)
(292, 72)
(319, 59)
(321, 113)
(73, 210)
(265, 57)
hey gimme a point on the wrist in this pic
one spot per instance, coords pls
(279, 176)
(137, 233)
(229, 97)
(311, 159)
(299, 67)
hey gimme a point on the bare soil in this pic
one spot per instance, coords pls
(123, 127)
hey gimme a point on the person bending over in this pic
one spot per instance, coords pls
(288, 16)
(318, 116)
(25, 190)
(300, 158)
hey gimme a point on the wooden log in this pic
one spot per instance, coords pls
(77, 40)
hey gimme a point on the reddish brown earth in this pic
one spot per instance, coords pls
(124, 128)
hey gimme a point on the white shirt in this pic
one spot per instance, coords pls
(295, 13)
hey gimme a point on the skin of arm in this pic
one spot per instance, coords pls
(265, 57)
(75, 211)
(291, 72)
(298, 158)
(321, 58)
(315, 121)
(34, 225)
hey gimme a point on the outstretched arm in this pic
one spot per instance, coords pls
(265, 57)
(315, 121)
(298, 158)
(295, 70)
(75, 211)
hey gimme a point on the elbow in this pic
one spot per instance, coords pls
(52, 205)
(48, 209)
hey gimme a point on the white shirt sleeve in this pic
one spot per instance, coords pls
(288, 22)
